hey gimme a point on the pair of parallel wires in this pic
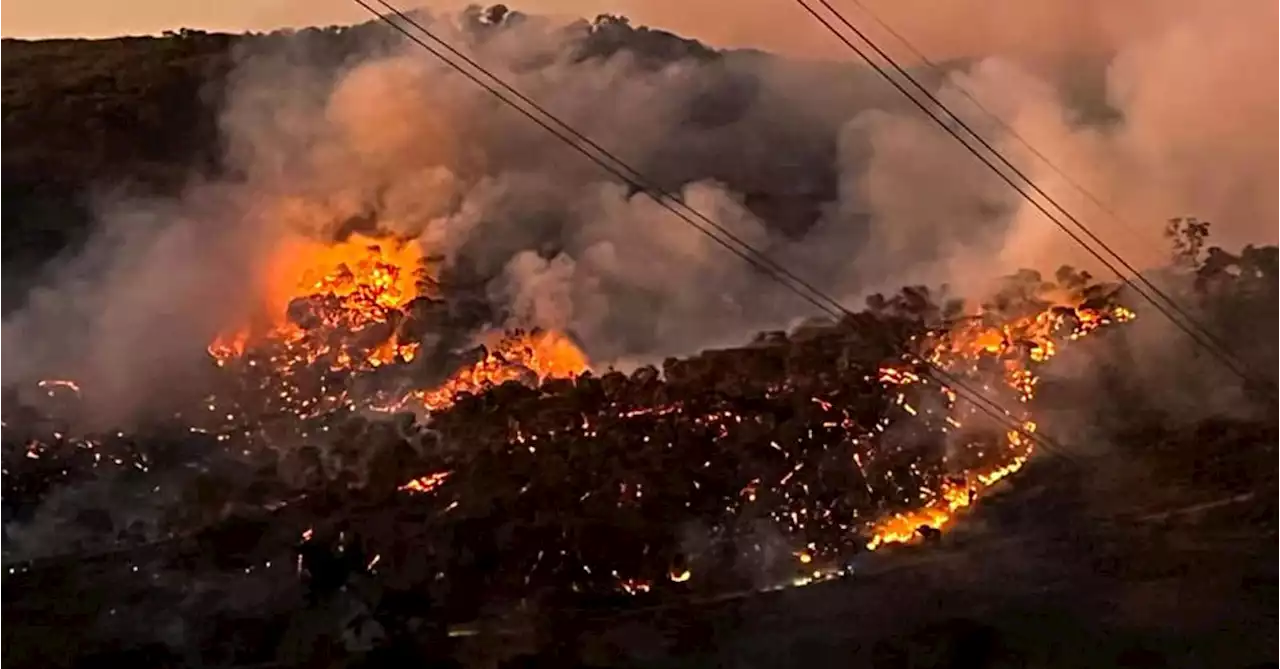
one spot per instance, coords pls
(930, 105)
(669, 201)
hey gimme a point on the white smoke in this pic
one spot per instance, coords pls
(1190, 133)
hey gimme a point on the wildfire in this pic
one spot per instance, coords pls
(904, 527)
(350, 307)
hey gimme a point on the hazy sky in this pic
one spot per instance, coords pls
(91, 18)
(778, 25)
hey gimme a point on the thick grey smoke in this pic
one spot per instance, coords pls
(1185, 127)
(818, 164)
(562, 244)
(130, 311)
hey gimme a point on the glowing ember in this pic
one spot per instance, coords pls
(633, 586)
(425, 484)
(60, 383)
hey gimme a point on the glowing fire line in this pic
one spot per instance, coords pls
(970, 342)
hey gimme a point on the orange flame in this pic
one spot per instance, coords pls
(323, 297)
(1019, 345)
(514, 356)
(349, 286)
(937, 514)
(425, 484)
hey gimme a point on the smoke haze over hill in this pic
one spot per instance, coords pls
(1159, 109)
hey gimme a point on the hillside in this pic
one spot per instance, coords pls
(340, 362)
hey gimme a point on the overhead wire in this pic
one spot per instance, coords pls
(1161, 301)
(615, 166)
(618, 168)
(972, 97)
(666, 199)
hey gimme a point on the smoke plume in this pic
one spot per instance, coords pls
(1157, 109)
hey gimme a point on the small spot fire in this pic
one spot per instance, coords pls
(838, 444)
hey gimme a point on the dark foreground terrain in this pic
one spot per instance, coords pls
(1126, 556)
(1039, 583)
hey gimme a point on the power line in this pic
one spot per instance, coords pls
(1198, 333)
(973, 99)
(621, 170)
(1205, 331)
(616, 165)
(1202, 335)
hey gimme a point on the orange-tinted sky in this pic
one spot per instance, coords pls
(942, 28)
(93, 18)
(96, 18)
